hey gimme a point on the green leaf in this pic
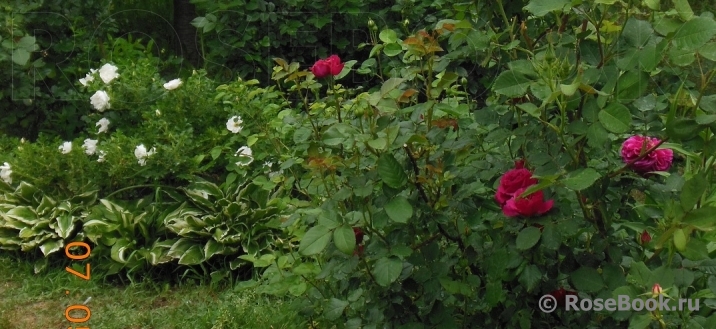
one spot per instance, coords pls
(118, 250)
(640, 321)
(680, 240)
(527, 238)
(50, 246)
(315, 240)
(540, 8)
(695, 33)
(615, 118)
(379, 143)
(530, 277)
(581, 179)
(334, 309)
(20, 56)
(692, 191)
(194, 255)
(551, 238)
(391, 172)
(708, 51)
(703, 218)
(392, 49)
(511, 84)
(388, 36)
(587, 279)
(683, 128)
(455, 287)
(345, 239)
(390, 85)
(631, 85)
(387, 270)
(399, 209)
(65, 225)
(684, 9)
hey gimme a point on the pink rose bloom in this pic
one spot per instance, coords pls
(657, 160)
(531, 205)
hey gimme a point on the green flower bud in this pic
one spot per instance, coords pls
(463, 81)
(406, 22)
(371, 23)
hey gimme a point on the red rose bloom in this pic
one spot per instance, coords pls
(512, 181)
(561, 296)
(334, 63)
(359, 235)
(331, 65)
(320, 69)
(531, 205)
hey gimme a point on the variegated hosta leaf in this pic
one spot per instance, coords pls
(180, 247)
(120, 249)
(212, 248)
(188, 251)
(86, 199)
(9, 239)
(200, 199)
(26, 192)
(22, 213)
(206, 187)
(51, 246)
(39, 239)
(41, 264)
(46, 205)
(65, 225)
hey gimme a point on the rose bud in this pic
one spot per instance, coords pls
(656, 290)
(561, 296)
(644, 238)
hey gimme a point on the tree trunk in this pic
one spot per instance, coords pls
(184, 13)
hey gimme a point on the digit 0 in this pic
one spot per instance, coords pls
(77, 307)
(77, 244)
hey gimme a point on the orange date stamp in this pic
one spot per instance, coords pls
(84, 276)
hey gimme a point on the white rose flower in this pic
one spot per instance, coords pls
(90, 146)
(108, 72)
(66, 147)
(246, 152)
(142, 154)
(234, 124)
(100, 100)
(157, 112)
(104, 125)
(5, 172)
(101, 156)
(88, 78)
(171, 85)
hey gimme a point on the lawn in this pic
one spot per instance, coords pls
(32, 301)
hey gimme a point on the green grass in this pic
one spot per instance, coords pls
(29, 301)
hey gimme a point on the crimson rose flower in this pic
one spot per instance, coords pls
(331, 65)
(512, 181)
(359, 235)
(530, 205)
(561, 296)
(334, 63)
(657, 160)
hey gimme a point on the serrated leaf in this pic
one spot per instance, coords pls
(587, 279)
(345, 239)
(511, 84)
(391, 172)
(386, 270)
(540, 8)
(692, 191)
(581, 179)
(315, 240)
(530, 277)
(527, 238)
(615, 118)
(334, 309)
(399, 209)
(695, 33)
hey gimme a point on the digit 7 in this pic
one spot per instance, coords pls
(83, 276)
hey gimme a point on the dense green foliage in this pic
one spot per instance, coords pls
(375, 195)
